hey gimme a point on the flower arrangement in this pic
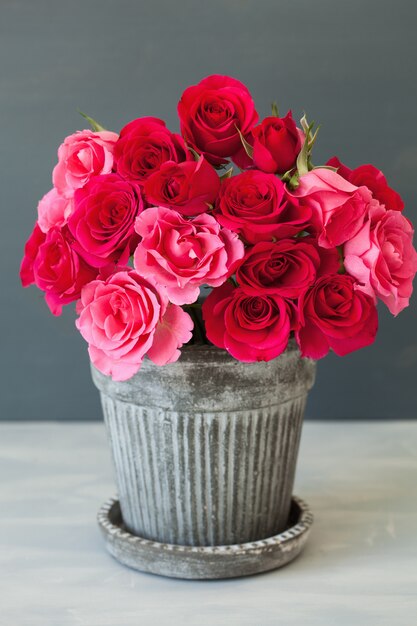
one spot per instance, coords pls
(136, 224)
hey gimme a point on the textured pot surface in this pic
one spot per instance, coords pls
(205, 449)
(205, 562)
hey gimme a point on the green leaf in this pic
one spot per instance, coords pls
(314, 137)
(228, 174)
(325, 167)
(94, 125)
(302, 159)
(274, 109)
(304, 124)
(294, 181)
(248, 148)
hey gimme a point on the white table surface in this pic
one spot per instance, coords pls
(359, 567)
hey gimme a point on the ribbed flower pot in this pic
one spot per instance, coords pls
(205, 449)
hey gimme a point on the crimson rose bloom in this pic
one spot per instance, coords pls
(189, 187)
(250, 328)
(374, 179)
(103, 223)
(276, 144)
(286, 267)
(335, 314)
(257, 206)
(211, 114)
(52, 265)
(144, 144)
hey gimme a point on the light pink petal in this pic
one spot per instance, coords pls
(173, 331)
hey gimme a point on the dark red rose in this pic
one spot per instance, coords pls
(276, 144)
(52, 265)
(257, 206)
(189, 187)
(103, 222)
(374, 179)
(144, 145)
(211, 115)
(250, 328)
(286, 267)
(335, 314)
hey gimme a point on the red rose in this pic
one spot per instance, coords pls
(52, 265)
(374, 179)
(144, 144)
(250, 328)
(103, 223)
(286, 267)
(335, 314)
(211, 115)
(256, 205)
(276, 144)
(189, 187)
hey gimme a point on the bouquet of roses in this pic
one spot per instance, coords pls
(137, 223)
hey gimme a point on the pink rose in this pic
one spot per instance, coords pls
(256, 206)
(334, 313)
(54, 210)
(52, 265)
(250, 327)
(144, 145)
(374, 179)
(339, 208)
(103, 222)
(276, 144)
(286, 267)
(125, 317)
(189, 187)
(211, 115)
(382, 258)
(184, 254)
(84, 154)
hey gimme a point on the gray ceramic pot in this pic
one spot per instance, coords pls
(205, 449)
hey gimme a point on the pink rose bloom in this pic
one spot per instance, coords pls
(54, 267)
(250, 327)
(184, 254)
(103, 222)
(54, 210)
(339, 208)
(335, 314)
(126, 317)
(82, 155)
(189, 187)
(382, 258)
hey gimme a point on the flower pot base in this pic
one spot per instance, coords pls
(208, 562)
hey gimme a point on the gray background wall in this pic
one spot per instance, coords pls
(350, 65)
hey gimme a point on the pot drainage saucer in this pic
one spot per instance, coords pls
(208, 562)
